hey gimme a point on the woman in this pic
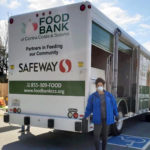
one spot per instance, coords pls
(103, 106)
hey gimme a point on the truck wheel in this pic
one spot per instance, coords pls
(145, 117)
(117, 127)
(148, 117)
(142, 117)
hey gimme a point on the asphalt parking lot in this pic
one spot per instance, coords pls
(135, 133)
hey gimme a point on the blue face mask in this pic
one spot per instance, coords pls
(100, 88)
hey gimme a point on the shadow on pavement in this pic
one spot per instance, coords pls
(8, 128)
(56, 140)
(59, 140)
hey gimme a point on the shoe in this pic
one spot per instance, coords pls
(28, 130)
(22, 131)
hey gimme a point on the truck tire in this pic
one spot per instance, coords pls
(145, 117)
(148, 117)
(117, 127)
(142, 117)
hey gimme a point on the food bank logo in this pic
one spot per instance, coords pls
(65, 65)
(48, 24)
(29, 28)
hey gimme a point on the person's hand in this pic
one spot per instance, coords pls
(84, 119)
(117, 118)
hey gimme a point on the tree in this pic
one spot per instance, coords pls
(4, 55)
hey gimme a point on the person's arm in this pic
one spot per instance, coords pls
(115, 109)
(89, 107)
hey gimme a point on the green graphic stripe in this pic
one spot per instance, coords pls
(66, 88)
(144, 89)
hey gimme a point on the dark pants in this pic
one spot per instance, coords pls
(98, 129)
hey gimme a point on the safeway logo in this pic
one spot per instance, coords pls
(65, 65)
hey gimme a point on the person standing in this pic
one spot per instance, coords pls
(104, 108)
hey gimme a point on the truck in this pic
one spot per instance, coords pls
(55, 56)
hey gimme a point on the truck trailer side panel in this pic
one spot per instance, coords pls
(49, 64)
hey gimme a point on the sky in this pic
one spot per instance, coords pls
(131, 15)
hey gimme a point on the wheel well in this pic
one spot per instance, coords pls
(123, 106)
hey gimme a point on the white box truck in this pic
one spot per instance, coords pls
(56, 54)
